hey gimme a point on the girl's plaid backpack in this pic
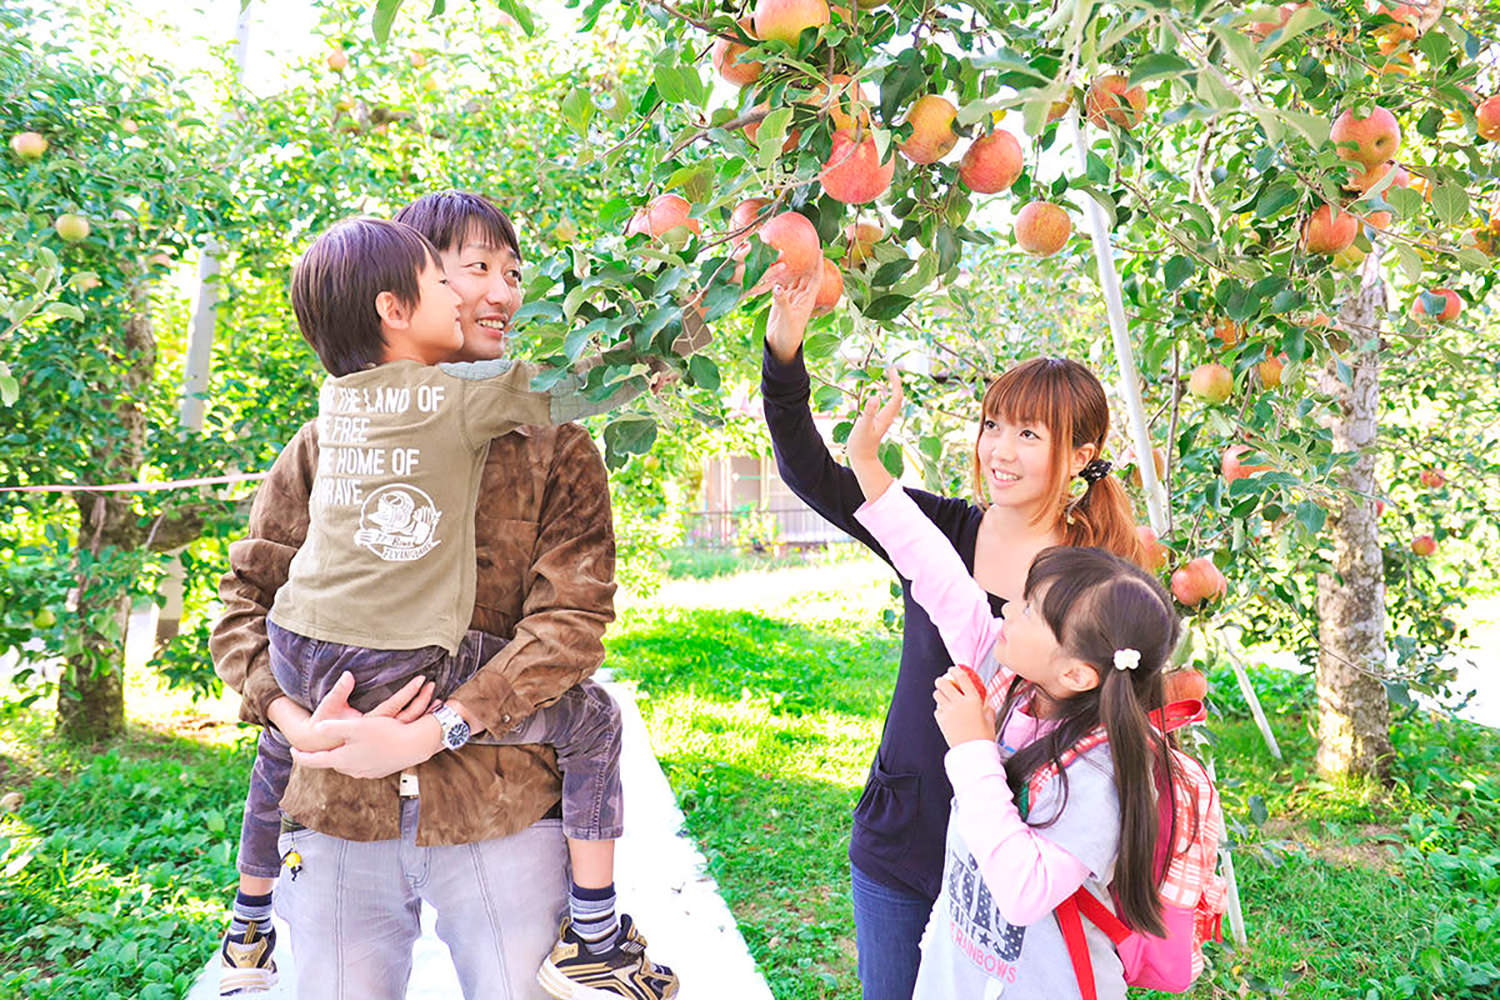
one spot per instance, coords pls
(1193, 896)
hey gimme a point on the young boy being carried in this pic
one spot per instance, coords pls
(382, 590)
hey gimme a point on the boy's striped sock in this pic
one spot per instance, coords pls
(246, 909)
(594, 920)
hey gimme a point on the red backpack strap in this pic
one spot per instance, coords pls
(1178, 714)
(1101, 916)
(1078, 948)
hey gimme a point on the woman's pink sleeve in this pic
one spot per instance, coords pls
(940, 582)
(1026, 873)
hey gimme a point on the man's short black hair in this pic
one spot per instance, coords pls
(452, 218)
(335, 284)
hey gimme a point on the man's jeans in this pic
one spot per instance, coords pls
(583, 726)
(354, 910)
(888, 925)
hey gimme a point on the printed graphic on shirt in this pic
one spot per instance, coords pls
(348, 455)
(398, 523)
(975, 925)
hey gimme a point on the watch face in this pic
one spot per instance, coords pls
(457, 735)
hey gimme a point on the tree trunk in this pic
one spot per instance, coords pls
(91, 694)
(1354, 718)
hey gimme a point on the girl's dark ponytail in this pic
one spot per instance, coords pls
(1098, 605)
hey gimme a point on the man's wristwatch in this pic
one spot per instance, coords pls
(455, 729)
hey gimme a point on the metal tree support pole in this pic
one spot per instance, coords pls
(1140, 433)
(1231, 650)
(198, 363)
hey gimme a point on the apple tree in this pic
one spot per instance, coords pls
(1296, 200)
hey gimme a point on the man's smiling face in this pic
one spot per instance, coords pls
(488, 282)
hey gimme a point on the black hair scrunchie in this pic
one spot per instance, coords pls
(1095, 471)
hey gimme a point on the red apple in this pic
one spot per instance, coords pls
(830, 288)
(665, 217)
(1186, 684)
(1042, 228)
(1329, 231)
(1212, 382)
(1270, 369)
(726, 59)
(1369, 140)
(973, 676)
(853, 173)
(861, 237)
(1371, 176)
(932, 135)
(1158, 459)
(1424, 545)
(752, 130)
(28, 145)
(846, 105)
(337, 60)
(1153, 553)
(1452, 306)
(1433, 479)
(1111, 100)
(1228, 331)
(1487, 118)
(1231, 468)
(796, 241)
(785, 20)
(992, 163)
(1199, 580)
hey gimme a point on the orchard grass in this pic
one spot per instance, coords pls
(765, 694)
(765, 722)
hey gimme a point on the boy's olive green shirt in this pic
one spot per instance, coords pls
(545, 555)
(388, 562)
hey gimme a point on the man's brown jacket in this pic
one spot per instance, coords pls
(546, 561)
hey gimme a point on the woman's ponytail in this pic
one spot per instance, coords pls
(1103, 518)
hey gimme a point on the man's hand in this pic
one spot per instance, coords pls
(961, 713)
(375, 746)
(793, 294)
(304, 731)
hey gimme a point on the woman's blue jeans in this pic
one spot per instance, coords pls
(888, 925)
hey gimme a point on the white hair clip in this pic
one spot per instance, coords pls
(1127, 659)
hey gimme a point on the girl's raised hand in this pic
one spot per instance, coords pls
(961, 712)
(793, 294)
(880, 411)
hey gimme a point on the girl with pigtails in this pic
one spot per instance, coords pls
(1039, 482)
(1082, 650)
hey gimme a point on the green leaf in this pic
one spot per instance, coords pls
(887, 307)
(1159, 66)
(1242, 51)
(1275, 198)
(1259, 814)
(1305, 19)
(385, 14)
(1451, 204)
(578, 108)
(1404, 201)
(704, 372)
(670, 85)
(10, 390)
(64, 310)
(518, 10)
(631, 434)
(1316, 129)
(771, 137)
(1178, 270)
(890, 457)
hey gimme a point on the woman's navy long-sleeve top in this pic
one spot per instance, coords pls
(902, 818)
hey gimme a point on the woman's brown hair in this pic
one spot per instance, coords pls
(1096, 603)
(1067, 399)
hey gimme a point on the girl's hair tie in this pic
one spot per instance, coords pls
(1127, 659)
(1095, 471)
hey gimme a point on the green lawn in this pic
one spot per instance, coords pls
(765, 695)
(765, 721)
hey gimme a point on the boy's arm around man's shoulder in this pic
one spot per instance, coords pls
(258, 566)
(502, 398)
(569, 591)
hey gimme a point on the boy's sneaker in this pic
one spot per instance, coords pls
(572, 972)
(245, 963)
